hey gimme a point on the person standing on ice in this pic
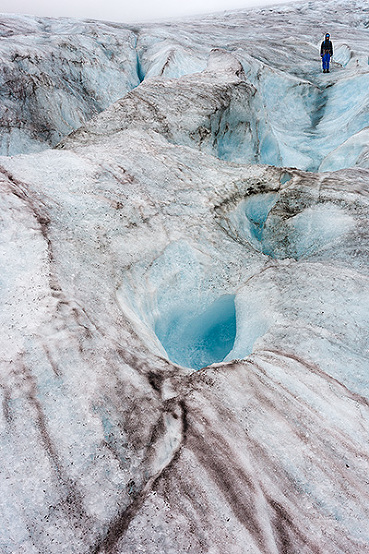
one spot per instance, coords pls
(326, 53)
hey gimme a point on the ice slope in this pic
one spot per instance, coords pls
(141, 249)
(56, 74)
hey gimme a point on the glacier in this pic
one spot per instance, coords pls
(183, 285)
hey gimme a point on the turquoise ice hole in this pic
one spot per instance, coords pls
(201, 339)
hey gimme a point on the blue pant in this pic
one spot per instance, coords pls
(325, 59)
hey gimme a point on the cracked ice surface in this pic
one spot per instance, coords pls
(145, 224)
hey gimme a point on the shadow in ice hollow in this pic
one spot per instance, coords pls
(275, 225)
(196, 340)
(246, 222)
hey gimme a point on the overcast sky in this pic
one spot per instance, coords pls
(126, 11)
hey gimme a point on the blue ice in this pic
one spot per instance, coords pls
(257, 209)
(198, 340)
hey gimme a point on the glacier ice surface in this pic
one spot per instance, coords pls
(152, 242)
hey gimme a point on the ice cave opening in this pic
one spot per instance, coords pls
(197, 340)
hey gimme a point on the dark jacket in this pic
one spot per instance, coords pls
(326, 47)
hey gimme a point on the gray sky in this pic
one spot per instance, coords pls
(126, 11)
